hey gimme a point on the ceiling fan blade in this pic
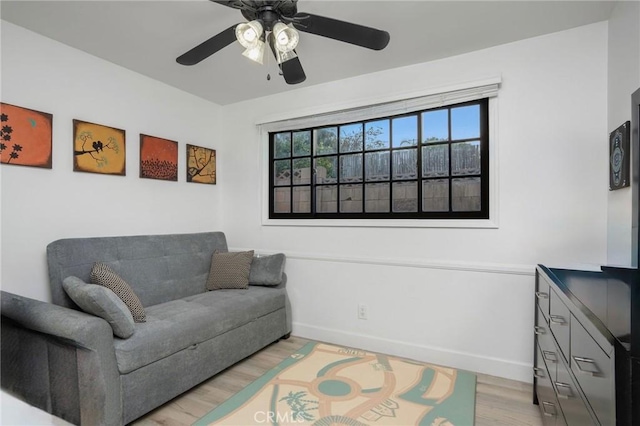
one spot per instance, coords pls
(347, 32)
(209, 47)
(235, 4)
(292, 71)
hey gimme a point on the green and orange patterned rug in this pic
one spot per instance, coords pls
(326, 385)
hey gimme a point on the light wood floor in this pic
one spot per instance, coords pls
(499, 402)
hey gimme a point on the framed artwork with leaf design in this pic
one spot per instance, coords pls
(25, 136)
(158, 158)
(98, 149)
(201, 165)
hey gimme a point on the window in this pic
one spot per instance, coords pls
(428, 164)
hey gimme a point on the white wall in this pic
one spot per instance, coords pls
(41, 205)
(623, 80)
(460, 297)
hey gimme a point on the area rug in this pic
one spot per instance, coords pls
(326, 385)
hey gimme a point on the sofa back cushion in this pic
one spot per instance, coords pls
(159, 268)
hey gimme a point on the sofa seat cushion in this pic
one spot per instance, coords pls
(183, 323)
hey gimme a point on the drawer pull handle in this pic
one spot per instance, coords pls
(566, 388)
(542, 295)
(587, 361)
(539, 330)
(557, 319)
(550, 356)
(538, 372)
(549, 409)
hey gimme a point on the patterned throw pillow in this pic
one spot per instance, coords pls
(229, 270)
(102, 275)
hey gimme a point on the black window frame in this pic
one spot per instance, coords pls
(483, 213)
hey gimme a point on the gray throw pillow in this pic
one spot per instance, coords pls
(229, 270)
(102, 275)
(267, 270)
(102, 302)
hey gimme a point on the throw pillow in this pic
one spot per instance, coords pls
(102, 275)
(229, 270)
(267, 270)
(102, 302)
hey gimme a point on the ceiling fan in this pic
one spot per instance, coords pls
(274, 23)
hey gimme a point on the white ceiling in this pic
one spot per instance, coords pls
(147, 36)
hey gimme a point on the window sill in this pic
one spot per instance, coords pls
(385, 223)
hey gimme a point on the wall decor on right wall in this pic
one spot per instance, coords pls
(619, 154)
(25, 136)
(201, 165)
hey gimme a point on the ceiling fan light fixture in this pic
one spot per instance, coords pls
(285, 56)
(255, 52)
(285, 37)
(248, 33)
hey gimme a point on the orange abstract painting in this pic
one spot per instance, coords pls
(158, 158)
(25, 136)
(201, 165)
(98, 149)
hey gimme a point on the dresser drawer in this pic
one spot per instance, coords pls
(573, 406)
(559, 323)
(549, 351)
(594, 371)
(547, 401)
(542, 295)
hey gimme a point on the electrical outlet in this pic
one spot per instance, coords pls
(363, 311)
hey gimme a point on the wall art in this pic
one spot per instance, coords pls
(98, 149)
(201, 165)
(158, 158)
(619, 154)
(25, 137)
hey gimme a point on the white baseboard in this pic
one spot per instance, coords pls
(465, 361)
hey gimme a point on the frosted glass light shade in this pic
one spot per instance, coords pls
(256, 52)
(249, 33)
(285, 37)
(285, 56)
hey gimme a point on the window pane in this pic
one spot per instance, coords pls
(405, 164)
(377, 166)
(465, 195)
(435, 160)
(377, 198)
(465, 158)
(351, 199)
(435, 126)
(302, 199)
(435, 195)
(302, 171)
(282, 144)
(327, 199)
(376, 134)
(465, 122)
(326, 170)
(282, 172)
(282, 200)
(405, 131)
(405, 197)
(351, 168)
(351, 138)
(301, 143)
(326, 140)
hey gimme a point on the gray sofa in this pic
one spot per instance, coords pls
(70, 364)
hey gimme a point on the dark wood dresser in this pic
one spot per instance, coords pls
(587, 346)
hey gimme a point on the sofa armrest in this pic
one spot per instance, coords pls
(60, 360)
